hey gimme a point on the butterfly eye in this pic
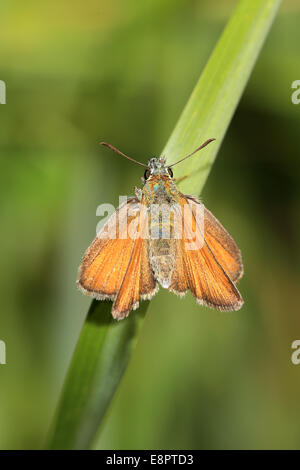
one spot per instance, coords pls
(147, 174)
(170, 172)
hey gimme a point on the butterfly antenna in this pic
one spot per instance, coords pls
(195, 151)
(114, 149)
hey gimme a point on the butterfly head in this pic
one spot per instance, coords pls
(157, 167)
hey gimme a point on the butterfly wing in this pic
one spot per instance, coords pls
(116, 266)
(138, 281)
(199, 270)
(222, 245)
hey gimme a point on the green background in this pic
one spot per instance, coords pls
(121, 71)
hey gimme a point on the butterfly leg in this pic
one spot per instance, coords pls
(181, 178)
(138, 193)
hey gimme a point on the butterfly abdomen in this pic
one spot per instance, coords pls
(162, 246)
(162, 257)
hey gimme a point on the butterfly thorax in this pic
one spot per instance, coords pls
(160, 189)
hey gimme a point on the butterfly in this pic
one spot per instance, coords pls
(139, 249)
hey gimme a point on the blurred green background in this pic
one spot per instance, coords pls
(121, 71)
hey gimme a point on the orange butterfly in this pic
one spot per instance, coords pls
(139, 248)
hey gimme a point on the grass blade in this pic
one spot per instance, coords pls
(218, 91)
(98, 363)
(105, 346)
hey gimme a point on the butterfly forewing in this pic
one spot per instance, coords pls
(222, 245)
(116, 266)
(138, 280)
(199, 270)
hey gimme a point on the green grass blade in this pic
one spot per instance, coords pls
(105, 346)
(98, 363)
(217, 93)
